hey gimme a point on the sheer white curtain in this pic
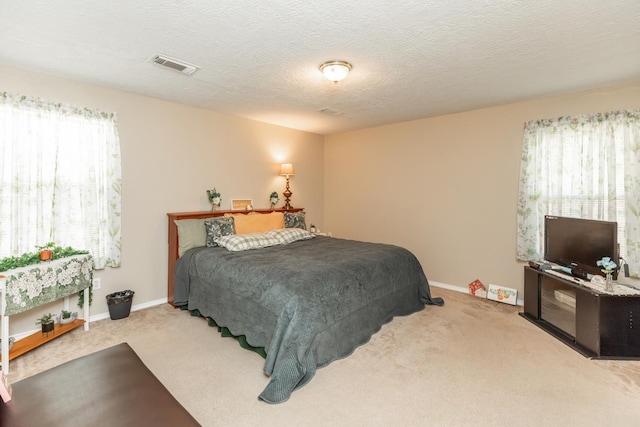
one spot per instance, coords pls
(60, 178)
(585, 167)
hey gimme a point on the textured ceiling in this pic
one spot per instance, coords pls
(259, 59)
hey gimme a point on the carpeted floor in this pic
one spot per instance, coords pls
(472, 362)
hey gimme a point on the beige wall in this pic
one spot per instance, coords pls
(171, 154)
(446, 187)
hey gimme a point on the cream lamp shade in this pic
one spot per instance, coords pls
(286, 169)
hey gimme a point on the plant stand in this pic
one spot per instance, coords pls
(8, 306)
(36, 339)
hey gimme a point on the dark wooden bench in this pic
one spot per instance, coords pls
(111, 387)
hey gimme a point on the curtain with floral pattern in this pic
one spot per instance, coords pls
(584, 166)
(60, 178)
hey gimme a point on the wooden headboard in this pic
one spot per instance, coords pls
(173, 237)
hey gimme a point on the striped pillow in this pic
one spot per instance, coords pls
(243, 242)
(289, 235)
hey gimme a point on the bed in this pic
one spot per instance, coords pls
(307, 302)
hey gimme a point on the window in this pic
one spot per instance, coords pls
(584, 167)
(60, 178)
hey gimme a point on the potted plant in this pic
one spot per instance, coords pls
(46, 321)
(46, 251)
(67, 317)
(31, 258)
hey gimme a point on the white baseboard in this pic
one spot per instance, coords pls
(450, 287)
(136, 307)
(102, 316)
(460, 289)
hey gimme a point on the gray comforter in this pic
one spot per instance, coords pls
(307, 303)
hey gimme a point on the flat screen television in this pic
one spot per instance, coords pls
(580, 243)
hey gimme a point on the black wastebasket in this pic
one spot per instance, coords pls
(120, 304)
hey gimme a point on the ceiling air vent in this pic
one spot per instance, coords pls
(176, 64)
(331, 111)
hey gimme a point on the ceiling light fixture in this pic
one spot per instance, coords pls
(335, 70)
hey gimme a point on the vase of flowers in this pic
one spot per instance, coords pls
(214, 199)
(608, 267)
(274, 199)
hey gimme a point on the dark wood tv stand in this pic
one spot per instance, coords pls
(596, 324)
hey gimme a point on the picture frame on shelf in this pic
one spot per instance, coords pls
(241, 204)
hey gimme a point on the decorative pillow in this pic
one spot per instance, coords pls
(191, 234)
(289, 235)
(294, 220)
(243, 242)
(218, 227)
(254, 222)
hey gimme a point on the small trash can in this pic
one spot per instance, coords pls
(120, 304)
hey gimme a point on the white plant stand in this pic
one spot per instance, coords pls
(54, 280)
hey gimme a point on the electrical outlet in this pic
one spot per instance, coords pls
(96, 283)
